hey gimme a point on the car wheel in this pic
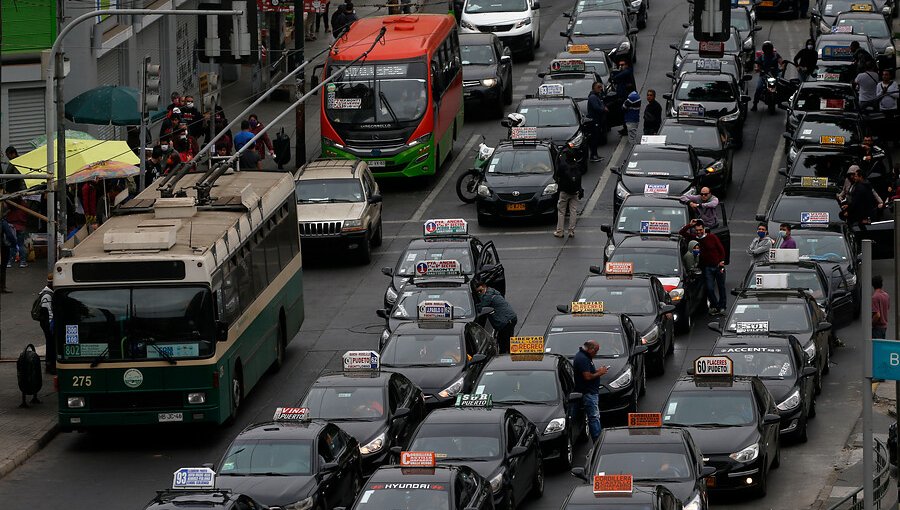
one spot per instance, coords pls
(498, 109)
(762, 488)
(568, 456)
(510, 502)
(671, 349)
(642, 21)
(827, 367)
(812, 409)
(818, 383)
(537, 36)
(685, 322)
(776, 462)
(643, 390)
(508, 93)
(802, 436)
(483, 220)
(537, 488)
(365, 251)
(378, 238)
(237, 392)
(658, 363)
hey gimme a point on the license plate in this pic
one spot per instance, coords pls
(515, 207)
(767, 3)
(170, 417)
(377, 163)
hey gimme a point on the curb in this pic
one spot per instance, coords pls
(19, 458)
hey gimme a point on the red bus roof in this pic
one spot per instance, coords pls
(407, 36)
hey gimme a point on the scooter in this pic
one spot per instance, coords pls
(468, 182)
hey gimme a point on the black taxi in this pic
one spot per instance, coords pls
(576, 79)
(822, 162)
(809, 206)
(455, 290)
(197, 488)
(820, 128)
(710, 94)
(818, 96)
(555, 117)
(656, 169)
(711, 142)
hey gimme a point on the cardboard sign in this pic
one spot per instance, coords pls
(578, 48)
(752, 327)
(435, 310)
(417, 459)
(713, 365)
(644, 419)
(456, 226)
(653, 139)
(586, 307)
(619, 268)
(361, 360)
(194, 478)
(842, 29)
(656, 189)
(438, 268)
(474, 400)
(566, 65)
(831, 104)
(291, 414)
(526, 345)
(655, 227)
(831, 140)
(523, 132)
(713, 49)
(613, 484)
(814, 182)
(814, 217)
(551, 90)
(692, 109)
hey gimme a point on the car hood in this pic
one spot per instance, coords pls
(713, 109)
(880, 43)
(723, 441)
(363, 431)
(431, 379)
(681, 490)
(779, 388)
(642, 322)
(635, 184)
(269, 490)
(540, 415)
(494, 18)
(599, 42)
(486, 468)
(521, 182)
(329, 212)
(479, 72)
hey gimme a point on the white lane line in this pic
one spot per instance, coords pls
(598, 190)
(773, 176)
(460, 156)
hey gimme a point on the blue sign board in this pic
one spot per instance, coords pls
(886, 359)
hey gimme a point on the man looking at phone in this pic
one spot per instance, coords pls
(587, 382)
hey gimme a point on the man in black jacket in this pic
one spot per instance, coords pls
(806, 60)
(860, 206)
(568, 179)
(597, 111)
(652, 114)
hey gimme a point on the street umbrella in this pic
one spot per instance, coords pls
(80, 155)
(108, 169)
(108, 104)
(71, 134)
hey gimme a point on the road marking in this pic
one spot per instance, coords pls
(773, 176)
(598, 190)
(417, 216)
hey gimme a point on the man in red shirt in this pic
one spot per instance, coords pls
(712, 263)
(881, 307)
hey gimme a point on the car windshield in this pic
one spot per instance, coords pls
(874, 28)
(631, 300)
(630, 217)
(141, 323)
(830, 165)
(477, 54)
(740, 19)
(383, 93)
(480, 6)
(539, 386)
(407, 264)
(795, 280)
(833, 7)
(674, 167)
(815, 99)
(329, 190)
(732, 45)
(781, 316)
(814, 246)
(248, 457)
(719, 91)
(423, 349)
(404, 496)
(452, 441)
(599, 5)
(700, 137)
(576, 88)
(761, 362)
(811, 131)
(518, 162)
(643, 463)
(791, 209)
(408, 304)
(600, 25)
(566, 342)
(721, 408)
(656, 261)
(345, 403)
(550, 116)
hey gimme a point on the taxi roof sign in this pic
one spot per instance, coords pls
(474, 400)
(691, 109)
(655, 227)
(578, 48)
(619, 268)
(836, 52)
(435, 310)
(831, 104)
(771, 280)
(586, 307)
(567, 65)
(551, 90)
(831, 140)
(417, 459)
(786, 255)
(447, 267)
(443, 227)
(613, 484)
(523, 133)
(291, 414)
(815, 217)
(653, 139)
(194, 478)
(645, 419)
(814, 182)
(861, 7)
(361, 360)
(526, 345)
(713, 366)
(709, 64)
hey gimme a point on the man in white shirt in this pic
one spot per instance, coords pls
(866, 84)
(887, 92)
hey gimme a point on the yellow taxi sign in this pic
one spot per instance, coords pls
(586, 307)
(619, 268)
(713, 366)
(417, 459)
(613, 484)
(645, 419)
(861, 7)
(526, 345)
(578, 48)
(831, 140)
(814, 182)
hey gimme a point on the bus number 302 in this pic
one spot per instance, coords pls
(81, 380)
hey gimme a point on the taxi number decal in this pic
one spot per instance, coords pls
(81, 381)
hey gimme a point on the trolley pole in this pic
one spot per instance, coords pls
(866, 320)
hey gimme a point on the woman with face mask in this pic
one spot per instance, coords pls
(806, 60)
(263, 144)
(761, 245)
(691, 256)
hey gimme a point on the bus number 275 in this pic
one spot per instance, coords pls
(81, 380)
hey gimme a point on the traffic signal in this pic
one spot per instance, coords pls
(712, 20)
(225, 39)
(150, 87)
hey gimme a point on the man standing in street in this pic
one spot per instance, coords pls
(761, 245)
(596, 110)
(652, 114)
(243, 136)
(704, 206)
(503, 318)
(12, 185)
(881, 307)
(568, 179)
(712, 263)
(787, 242)
(46, 321)
(587, 382)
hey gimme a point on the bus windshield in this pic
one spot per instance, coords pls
(378, 93)
(140, 323)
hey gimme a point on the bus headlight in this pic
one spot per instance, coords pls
(75, 402)
(790, 403)
(374, 445)
(635, 4)
(489, 82)
(849, 281)
(695, 504)
(550, 189)
(623, 380)
(484, 190)
(197, 398)
(555, 425)
(748, 454)
(419, 140)
(385, 335)
(523, 22)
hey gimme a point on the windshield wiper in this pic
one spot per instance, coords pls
(457, 459)
(100, 357)
(162, 353)
(387, 104)
(270, 473)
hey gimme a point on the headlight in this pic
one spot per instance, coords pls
(888, 50)
(886, 11)
(676, 294)
(695, 504)
(609, 250)
(636, 4)
(385, 335)
(197, 398)
(576, 140)
(374, 445)
(305, 504)
(650, 336)
(849, 281)
(489, 82)
(677, 61)
(810, 351)
(748, 43)
(623, 380)
(523, 22)
(453, 389)
(621, 192)
(792, 153)
(715, 167)
(791, 402)
(550, 189)
(352, 225)
(391, 295)
(624, 46)
(824, 28)
(75, 402)
(555, 425)
(484, 191)
(748, 454)
(731, 116)
(497, 482)
(421, 139)
(465, 24)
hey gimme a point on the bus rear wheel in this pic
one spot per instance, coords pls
(280, 344)
(236, 391)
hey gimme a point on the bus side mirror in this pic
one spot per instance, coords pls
(221, 331)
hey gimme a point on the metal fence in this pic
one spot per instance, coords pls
(882, 479)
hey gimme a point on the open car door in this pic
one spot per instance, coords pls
(490, 270)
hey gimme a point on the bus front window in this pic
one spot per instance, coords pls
(378, 93)
(135, 323)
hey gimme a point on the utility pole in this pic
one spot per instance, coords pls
(150, 83)
(866, 319)
(897, 319)
(296, 60)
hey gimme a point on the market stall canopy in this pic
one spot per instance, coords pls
(83, 158)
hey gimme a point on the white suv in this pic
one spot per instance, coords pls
(516, 22)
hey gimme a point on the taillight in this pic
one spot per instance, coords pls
(215, 379)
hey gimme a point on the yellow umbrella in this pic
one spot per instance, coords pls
(79, 155)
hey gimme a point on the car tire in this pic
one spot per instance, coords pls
(817, 384)
(811, 413)
(378, 238)
(537, 35)
(776, 462)
(642, 21)
(510, 501)
(567, 457)
(684, 325)
(827, 368)
(763, 487)
(483, 220)
(236, 392)
(537, 487)
(498, 109)
(643, 388)
(658, 363)
(365, 251)
(508, 92)
(529, 53)
(671, 349)
(280, 345)
(802, 435)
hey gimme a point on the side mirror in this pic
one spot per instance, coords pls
(808, 371)
(562, 308)
(745, 98)
(666, 309)
(567, 15)
(575, 395)
(536, 5)
(401, 412)
(375, 199)
(771, 419)
(478, 358)
(760, 217)
(330, 466)
(397, 450)
(505, 58)
(756, 28)
(578, 472)
(209, 465)
(595, 269)
(667, 96)
(823, 326)
(607, 228)
(387, 271)
(787, 136)
(564, 34)
(221, 331)
(382, 312)
(518, 451)
(505, 123)
(674, 47)
(747, 77)
(632, 31)
(784, 105)
(616, 170)
(685, 25)
(641, 349)
(670, 76)
(715, 326)
(707, 471)
(735, 292)
(783, 171)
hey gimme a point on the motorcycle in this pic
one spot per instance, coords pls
(468, 182)
(778, 89)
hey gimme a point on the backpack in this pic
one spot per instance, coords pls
(38, 312)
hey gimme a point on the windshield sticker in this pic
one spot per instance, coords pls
(785, 369)
(814, 217)
(71, 334)
(807, 131)
(740, 309)
(653, 189)
(85, 350)
(344, 395)
(406, 486)
(173, 350)
(523, 111)
(632, 164)
(479, 389)
(345, 103)
(752, 327)
(446, 360)
(411, 257)
(655, 227)
(365, 497)
(672, 407)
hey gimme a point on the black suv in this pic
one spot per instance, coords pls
(487, 72)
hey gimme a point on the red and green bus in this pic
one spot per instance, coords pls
(401, 108)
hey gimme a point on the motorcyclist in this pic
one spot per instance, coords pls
(806, 60)
(768, 61)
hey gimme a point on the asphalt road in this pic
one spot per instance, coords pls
(123, 468)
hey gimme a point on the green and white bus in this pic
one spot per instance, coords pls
(171, 312)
